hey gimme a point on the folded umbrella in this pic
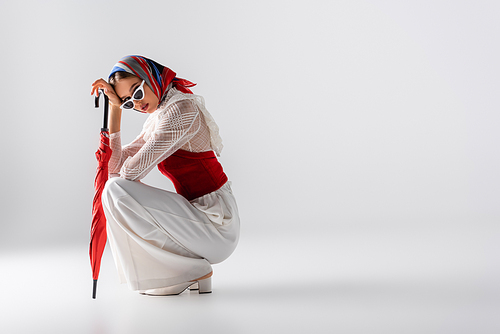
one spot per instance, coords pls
(98, 229)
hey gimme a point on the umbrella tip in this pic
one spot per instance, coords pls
(95, 289)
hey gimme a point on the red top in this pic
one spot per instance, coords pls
(193, 174)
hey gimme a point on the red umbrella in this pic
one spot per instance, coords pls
(98, 230)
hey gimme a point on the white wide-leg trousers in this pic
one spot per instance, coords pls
(159, 239)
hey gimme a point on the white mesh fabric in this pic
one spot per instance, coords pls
(180, 122)
(119, 153)
(174, 96)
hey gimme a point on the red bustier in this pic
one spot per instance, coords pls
(193, 174)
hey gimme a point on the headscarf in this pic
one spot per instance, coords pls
(157, 76)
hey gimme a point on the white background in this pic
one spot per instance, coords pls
(360, 136)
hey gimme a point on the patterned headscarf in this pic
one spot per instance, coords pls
(157, 76)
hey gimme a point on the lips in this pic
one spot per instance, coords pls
(144, 108)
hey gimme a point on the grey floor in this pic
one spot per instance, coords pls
(435, 280)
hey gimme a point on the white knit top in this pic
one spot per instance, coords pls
(180, 122)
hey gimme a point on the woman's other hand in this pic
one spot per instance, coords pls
(114, 100)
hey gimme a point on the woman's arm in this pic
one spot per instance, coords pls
(114, 118)
(177, 126)
(121, 153)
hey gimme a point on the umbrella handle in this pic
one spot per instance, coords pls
(106, 106)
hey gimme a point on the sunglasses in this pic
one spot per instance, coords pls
(136, 96)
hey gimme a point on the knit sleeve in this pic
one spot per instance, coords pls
(177, 125)
(119, 153)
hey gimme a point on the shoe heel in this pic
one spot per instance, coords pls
(205, 285)
(194, 287)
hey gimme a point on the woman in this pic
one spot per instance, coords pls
(164, 242)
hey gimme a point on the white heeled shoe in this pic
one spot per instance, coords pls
(203, 285)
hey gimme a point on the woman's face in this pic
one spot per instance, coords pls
(126, 86)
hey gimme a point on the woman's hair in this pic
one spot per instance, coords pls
(118, 76)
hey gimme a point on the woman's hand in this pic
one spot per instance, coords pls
(115, 115)
(114, 100)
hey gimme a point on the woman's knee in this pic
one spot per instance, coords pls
(113, 189)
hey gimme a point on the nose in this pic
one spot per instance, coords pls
(138, 102)
(138, 106)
